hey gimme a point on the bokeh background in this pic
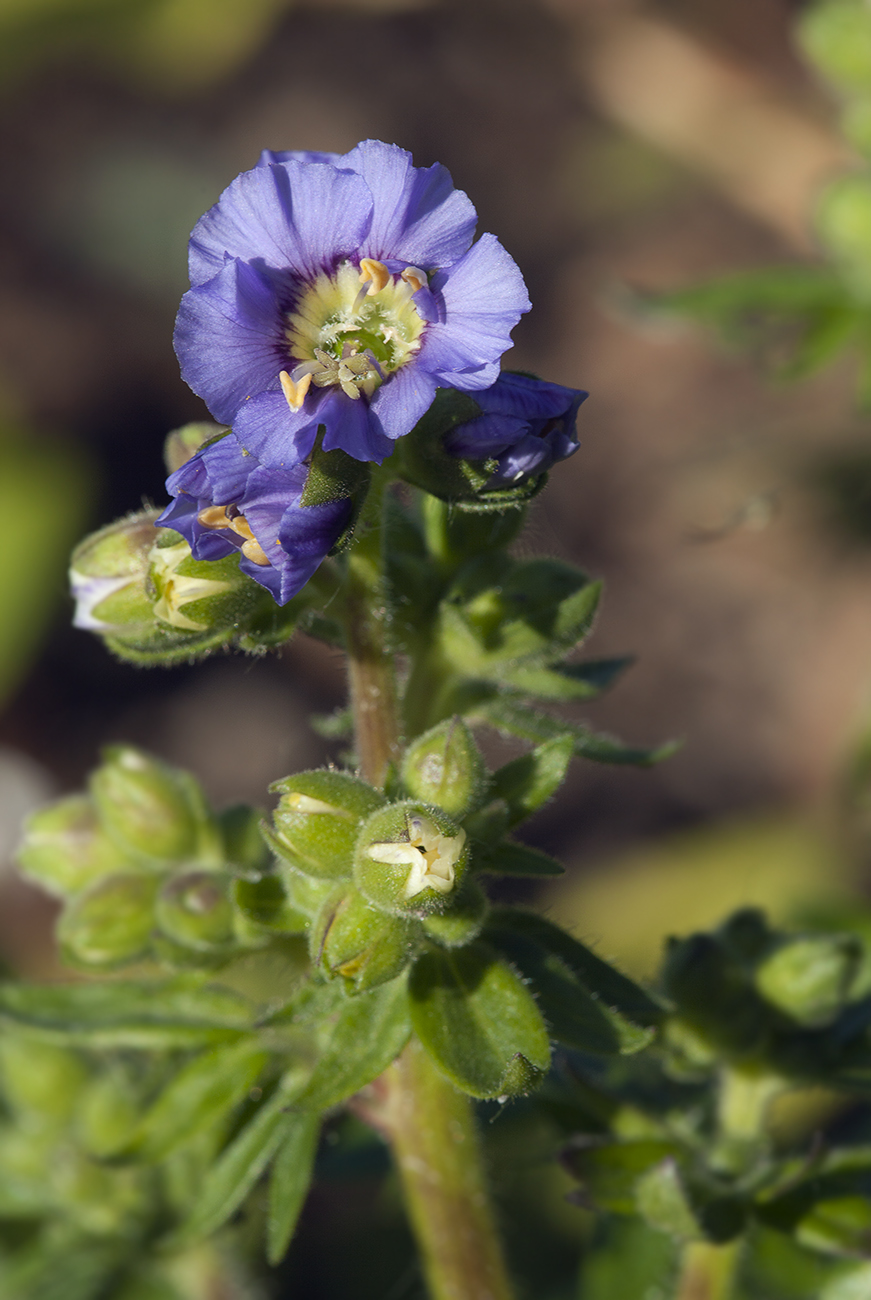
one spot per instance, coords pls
(619, 150)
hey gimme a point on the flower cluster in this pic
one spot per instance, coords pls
(331, 296)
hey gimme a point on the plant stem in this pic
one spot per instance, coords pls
(432, 1130)
(428, 1123)
(708, 1271)
(371, 673)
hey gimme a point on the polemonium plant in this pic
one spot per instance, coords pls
(370, 470)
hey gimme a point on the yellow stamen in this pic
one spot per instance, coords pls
(294, 392)
(214, 517)
(415, 277)
(252, 550)
(376, 272)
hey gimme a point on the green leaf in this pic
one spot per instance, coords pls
(200, 1094)
(500, 612)
(289, 1183)
(608, 1171)
(510, 859)
(615, 991)
(529, 781)
(510, 716)
(177, 1013)
(567, 681)
(478, 1021)
(368, 1033)
(231, 1178)
(573, 1016)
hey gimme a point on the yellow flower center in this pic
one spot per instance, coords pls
(352, 330)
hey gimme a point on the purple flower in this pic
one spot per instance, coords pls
(341, 291)
(525, 424)
(226, 500)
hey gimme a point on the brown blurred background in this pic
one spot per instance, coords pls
(615, 148)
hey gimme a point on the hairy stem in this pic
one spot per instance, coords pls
(371, 671)
(431, 1128)
(428, 1123)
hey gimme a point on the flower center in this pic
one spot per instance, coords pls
(352, 330)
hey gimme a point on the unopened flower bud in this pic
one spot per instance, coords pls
(809, 978)
(194, 910)
(110, 924)
(318, 819)
(410, 858)
(444, 767)
(65, 849)
(108, 577)
(464, 920)
(152, 811)
(352, 939)
(139, 588)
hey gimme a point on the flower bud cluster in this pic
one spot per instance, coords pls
(145, 869)
(371, 874)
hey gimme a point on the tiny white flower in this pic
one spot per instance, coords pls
(430, 856)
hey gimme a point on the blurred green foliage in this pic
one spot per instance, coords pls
(167, 45)
(46, 489)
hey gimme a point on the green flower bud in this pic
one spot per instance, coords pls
(183, 443)
(305, 894)
(318, 819)
(108, 577)
(809, 978)
(464, 920)
(65, 849)
(410, 858)
(351, 938)
(152, 811)
(444, 767)
(194, 909)
(111, 923)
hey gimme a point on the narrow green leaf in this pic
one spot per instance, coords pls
(614, 990)
(567, 681)
(368, 1034)
(478, 1021)
(516, 719)
(529, 781)
(208, 1087)
(289, 1182)
(509, 859)
(573, 1016)
(175, 1013)
(240, 1165)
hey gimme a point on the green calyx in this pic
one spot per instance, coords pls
(195, 909)
(154, 813)
(410, 859)
(352, 939)
(444, 767)
(317, 821)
